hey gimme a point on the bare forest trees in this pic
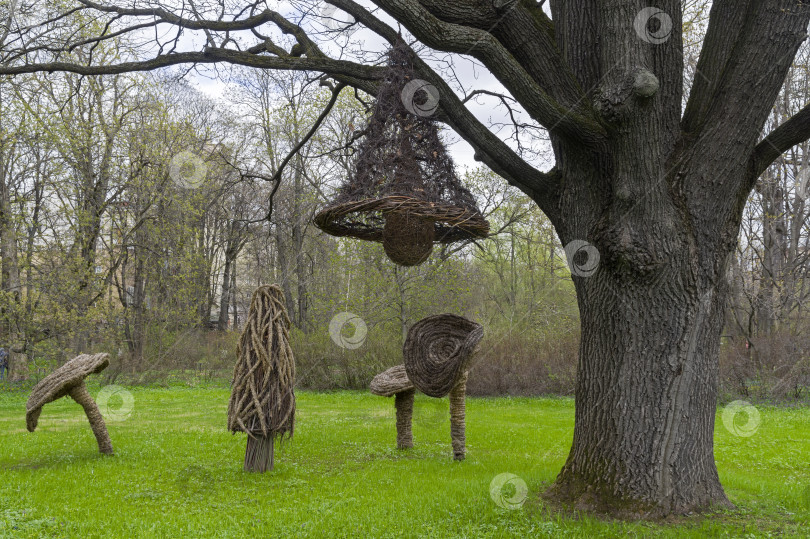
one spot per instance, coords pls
(107, 238)
(773, 258)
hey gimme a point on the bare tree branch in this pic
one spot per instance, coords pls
(794, 131)
(572, 123)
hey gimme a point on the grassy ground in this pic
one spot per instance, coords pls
(177, 473)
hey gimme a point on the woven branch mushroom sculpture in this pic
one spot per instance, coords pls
(262, 399)
(403, 190)
(437, 353)
(395, 383)
(68, 380)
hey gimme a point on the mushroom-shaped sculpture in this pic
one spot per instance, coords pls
(437, 354)
(394, 382)
(69, 380)
(262, 397)
(403, 190)
(438, 351)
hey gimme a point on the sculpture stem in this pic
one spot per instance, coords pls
(80, 394)
(457, 415)
(259, 454)
(403, 402)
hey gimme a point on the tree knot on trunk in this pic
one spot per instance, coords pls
(502, 5)
(615, 101)
(636, 253)
(645, 84)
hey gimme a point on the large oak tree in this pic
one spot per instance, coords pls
(652, 180)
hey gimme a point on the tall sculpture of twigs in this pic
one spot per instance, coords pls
(262, 399)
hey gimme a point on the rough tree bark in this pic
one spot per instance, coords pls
(663, 209)
(655, 190)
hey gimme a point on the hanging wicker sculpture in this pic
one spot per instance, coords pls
(403, 190)
(262, 399)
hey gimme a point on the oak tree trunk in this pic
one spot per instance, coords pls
(646, 397)
(655, 211)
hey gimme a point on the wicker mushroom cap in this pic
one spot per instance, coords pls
(363, 219)
(438, 351)
(389, 383)
(59, 383)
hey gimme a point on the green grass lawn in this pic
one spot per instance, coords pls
(178, 473)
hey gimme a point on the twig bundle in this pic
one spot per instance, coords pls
(458, 412)
(390, 382)
(408, 239)
(403, 403)
(437, 353)
(262, 398)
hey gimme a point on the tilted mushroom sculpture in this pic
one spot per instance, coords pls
(68, 380)
(437, 353)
